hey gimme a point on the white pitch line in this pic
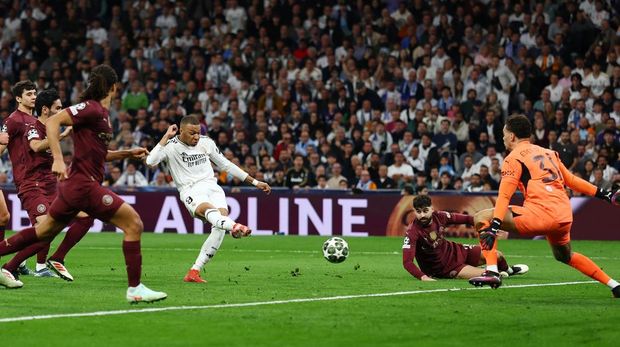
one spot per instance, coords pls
(312, 252)
(275, 302)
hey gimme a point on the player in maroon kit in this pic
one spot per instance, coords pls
(438, 257)
(15, 126)
(38, 190)
(80, 189)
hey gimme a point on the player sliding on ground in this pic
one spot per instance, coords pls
(81, 190)
(189, 157)
(541, 176)
(438, 257)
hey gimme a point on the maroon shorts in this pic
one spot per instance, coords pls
(75, 195)
(465, 255)
(36, 200)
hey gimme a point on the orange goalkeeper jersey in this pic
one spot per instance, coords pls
(541, 177)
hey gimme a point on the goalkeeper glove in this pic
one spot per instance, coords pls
(489, 234)
(611, 196)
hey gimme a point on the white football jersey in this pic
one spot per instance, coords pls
(189, 165)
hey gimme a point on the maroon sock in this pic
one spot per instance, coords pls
(133, 260)
(42, 254)
(24, 254)
(502, 265)
(2, 232)
(76, 232)
(18, 241)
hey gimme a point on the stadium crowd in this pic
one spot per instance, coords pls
(336, 94)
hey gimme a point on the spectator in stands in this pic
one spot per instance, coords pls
(131, 177)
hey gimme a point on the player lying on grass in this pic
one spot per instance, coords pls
(541, 177)
(189, 156)
(439, 257)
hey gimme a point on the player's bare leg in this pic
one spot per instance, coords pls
(6, 277)
(491, 275)
(4, 215)
(585, 265)
(22, 269)
(214, 241)
(77, 230)
(129, 221)
(469, 271)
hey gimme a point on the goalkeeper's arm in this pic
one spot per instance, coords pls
(580, 185)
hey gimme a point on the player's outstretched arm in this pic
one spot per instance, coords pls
(258, 184)
(158, 154)
(38, 145)
(580, 185)
(52, 126)
(138, 153)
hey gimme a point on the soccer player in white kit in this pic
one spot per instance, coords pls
(189, 156)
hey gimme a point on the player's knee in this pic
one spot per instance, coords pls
(135, 226)
(562, 257)
(4, 218)
(482, 217)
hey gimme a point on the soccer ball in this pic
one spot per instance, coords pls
(335, 250)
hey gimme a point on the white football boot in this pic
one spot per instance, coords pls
(518, 269)
(60, 270)
(143, 294)
(8, 280)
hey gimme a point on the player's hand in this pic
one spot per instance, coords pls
(489, 234)
(611, 196)
(66, 132)
(138, 153)
(264, 187)
(172, 131)
(59, 169)
(427, 279)
(4, 139)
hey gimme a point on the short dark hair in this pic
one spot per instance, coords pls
(520, 126)
(21, 86)
(45, 98)
(422, 201)
(190, 119)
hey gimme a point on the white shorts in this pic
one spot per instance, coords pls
(202, 192)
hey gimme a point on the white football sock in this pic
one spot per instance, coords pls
(209, 248)
(216, 219)
(612, 283)
(40, 267)
(492, 268)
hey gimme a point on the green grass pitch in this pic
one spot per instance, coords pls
(267, 269)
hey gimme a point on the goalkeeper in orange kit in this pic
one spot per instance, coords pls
(541, 177)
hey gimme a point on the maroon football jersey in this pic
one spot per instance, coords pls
(428, 245)
(16, 125)
(92, 132)
(39, 164)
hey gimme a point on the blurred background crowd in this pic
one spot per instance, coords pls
(317, 94)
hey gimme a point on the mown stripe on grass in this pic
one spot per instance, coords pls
(274, 302)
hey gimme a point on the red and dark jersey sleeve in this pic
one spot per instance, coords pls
(83, 113)
(32, 133)
(409, 247)
(458, 218)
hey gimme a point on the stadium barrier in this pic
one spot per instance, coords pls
(313, 212)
